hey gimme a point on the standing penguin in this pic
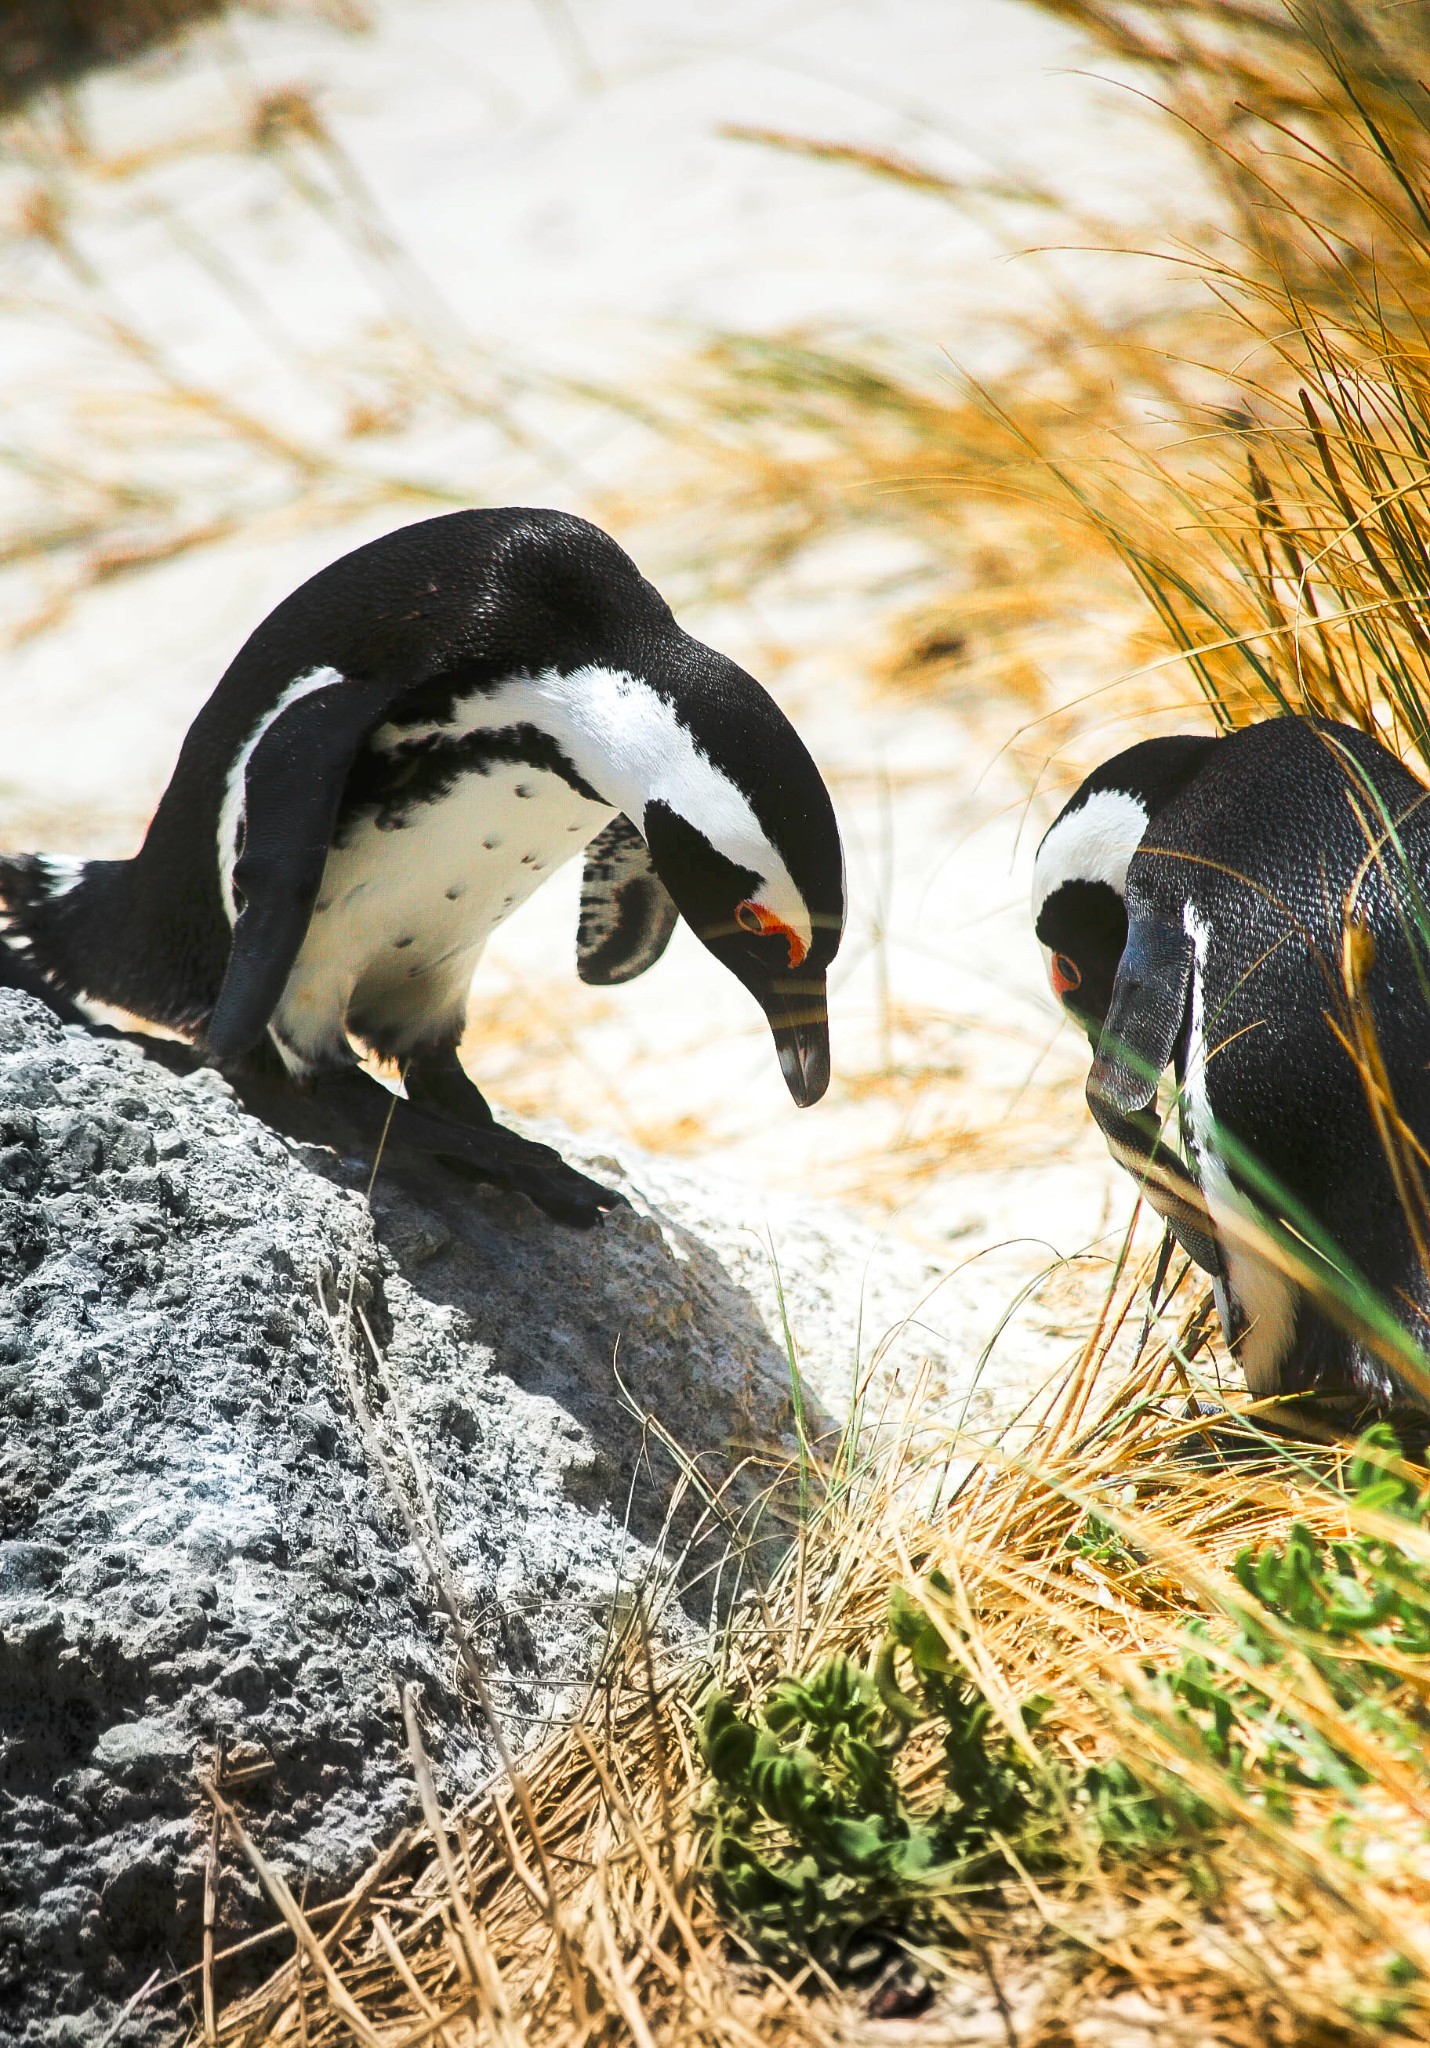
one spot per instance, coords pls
(398, 756)
(1253, 911)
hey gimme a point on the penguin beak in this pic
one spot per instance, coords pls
(798, 1013)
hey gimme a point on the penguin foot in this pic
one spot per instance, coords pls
(447, 1113)
(1332, 1419)
(438, 1084)
(489, 1152)
(354, 1113)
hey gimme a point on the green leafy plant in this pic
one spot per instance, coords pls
(1321, 1656)
(817, 1849)
(820, 1850)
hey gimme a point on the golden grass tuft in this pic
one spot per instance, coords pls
(575, 1904)
(1224, 489)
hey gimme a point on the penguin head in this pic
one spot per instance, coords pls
(745, 839)
(735, 815)
(1080, 875)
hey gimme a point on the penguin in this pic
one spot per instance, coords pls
(399, 755)
(1214, 904)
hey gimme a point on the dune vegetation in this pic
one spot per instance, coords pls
(1119, 1730)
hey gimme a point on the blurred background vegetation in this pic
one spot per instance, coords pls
(1245, 454)
(48, 42)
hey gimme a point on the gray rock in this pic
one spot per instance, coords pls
(203, 1552)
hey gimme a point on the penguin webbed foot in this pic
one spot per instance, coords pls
(1332, 1418)
(449, 1121)
(447, 1115)
(489, 1152)
(438, 1084)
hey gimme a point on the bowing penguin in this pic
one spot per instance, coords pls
(1252, 910)
(402, 752)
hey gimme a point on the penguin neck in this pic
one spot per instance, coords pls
(622, 738)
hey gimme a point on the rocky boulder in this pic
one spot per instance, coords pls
(249, 1421)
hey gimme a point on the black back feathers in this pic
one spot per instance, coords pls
(1277, 957)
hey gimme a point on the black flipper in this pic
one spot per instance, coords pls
(1145, 1020)
(292, 788)
(1135, 1142)
(627, 915)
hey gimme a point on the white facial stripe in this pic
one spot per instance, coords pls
(1094, 843)
(231, 809)
(625, 740)
(1264, 1298)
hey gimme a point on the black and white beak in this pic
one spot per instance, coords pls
(798, 1011)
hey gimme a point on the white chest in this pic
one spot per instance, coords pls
(405, 908)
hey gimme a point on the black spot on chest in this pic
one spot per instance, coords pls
(388, 786)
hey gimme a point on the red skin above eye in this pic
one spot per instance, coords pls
(1066, 975)
(755, 918)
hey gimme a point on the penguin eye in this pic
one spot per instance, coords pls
(1066, 974)
(753, 917)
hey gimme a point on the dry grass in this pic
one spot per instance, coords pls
(573, 1902)
(1246, 456)
(120, 452)
(1307, 559)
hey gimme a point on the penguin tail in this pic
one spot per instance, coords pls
(44, 922)
(77, 932)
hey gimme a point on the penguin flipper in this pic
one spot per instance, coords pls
(293, 784)
(627, 914)
(1145, 1019)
